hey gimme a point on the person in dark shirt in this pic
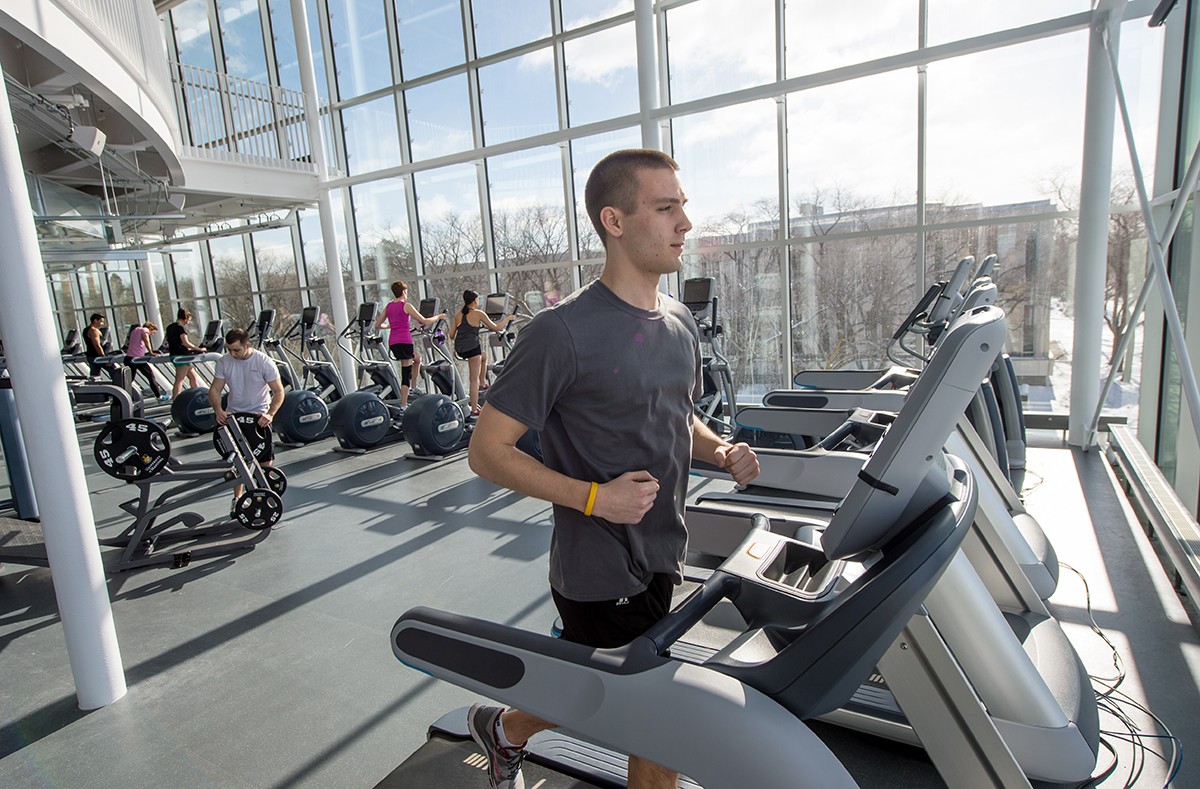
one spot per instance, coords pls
(608, 377)
(178, 344)
(93, 346)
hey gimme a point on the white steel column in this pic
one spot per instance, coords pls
(647, 70)
(1094, 198)
(316, 146)
(40, 389)
(149, 291)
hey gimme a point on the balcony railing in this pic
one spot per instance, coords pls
(229, 118)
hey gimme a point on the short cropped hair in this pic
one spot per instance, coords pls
(613, 182)
(237, 335)
(398, 288)
(95, 317)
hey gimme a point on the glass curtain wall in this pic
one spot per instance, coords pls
(838, 158)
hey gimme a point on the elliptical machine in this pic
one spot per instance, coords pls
(370, 417)
(717, 405)
(436, 425)
(304, 415)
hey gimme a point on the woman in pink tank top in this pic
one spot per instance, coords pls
(396, 314)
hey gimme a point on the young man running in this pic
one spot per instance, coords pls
(609, 377)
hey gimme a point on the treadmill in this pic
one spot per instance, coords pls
(999, 649)
(818, 615)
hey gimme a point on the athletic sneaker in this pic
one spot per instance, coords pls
(503, 764)
(474, 414)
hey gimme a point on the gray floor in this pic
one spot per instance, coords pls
(272, 668)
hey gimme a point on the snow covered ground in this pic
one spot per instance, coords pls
(1122, 397)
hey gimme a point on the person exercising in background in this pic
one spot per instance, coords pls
(396, 314)
(93, 346)
(178, 344)
(609, 377)
(254, 387)
(464, 330)
(140, 344)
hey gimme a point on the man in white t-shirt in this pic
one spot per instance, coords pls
(254, 388)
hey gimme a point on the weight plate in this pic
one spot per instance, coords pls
(257, 437)
(276, 479)
(132, 449)
(258, 509)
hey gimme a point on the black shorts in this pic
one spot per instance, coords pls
(614, 623)
(261, 439)
(471, 354)
(402, 351)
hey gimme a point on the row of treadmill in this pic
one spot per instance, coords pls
(880, 574)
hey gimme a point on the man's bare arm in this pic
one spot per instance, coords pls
(738, 459)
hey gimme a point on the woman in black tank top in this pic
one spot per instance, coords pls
(465, 332)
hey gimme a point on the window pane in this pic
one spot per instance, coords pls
(518, 97)
(202, 89)
(91, 292)
(845, 305)
(749, 295)
(123, 282)
(702, 63)
(439, 118)
(576, 13)
(193, 39)
(836, 162)
(242, 39)
(431, 36)
(602, 75)
(728, 161)
(360, 46)
(232, 280)
(951, 20)
(529, 222)
(503, 24)
(585, 153)
(381, 220)
(275, 258)
(451, 232)
(372, 139)
(190, 283)
(823, 36)
(1032, 147)
(62, 287)
(314, 263)
(284, 33)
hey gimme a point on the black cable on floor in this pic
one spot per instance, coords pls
(1116, 702)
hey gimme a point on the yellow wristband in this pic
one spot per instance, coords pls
(587, 510)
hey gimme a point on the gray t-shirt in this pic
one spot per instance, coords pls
(611, 389)
(247, 380)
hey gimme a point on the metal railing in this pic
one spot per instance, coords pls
(1158, 507)
(229, 118)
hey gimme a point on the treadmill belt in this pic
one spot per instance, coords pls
(445, 763)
